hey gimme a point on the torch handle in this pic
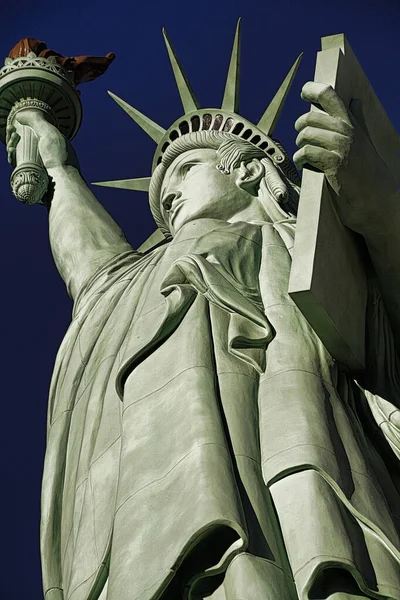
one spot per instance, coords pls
(29, 180)
(27, 150)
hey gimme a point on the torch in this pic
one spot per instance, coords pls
(34, 77)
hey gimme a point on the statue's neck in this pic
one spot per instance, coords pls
(252, 213)
(197, 228)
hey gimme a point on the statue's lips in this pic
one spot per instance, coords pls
(175, 207)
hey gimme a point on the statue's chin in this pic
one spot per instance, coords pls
(180, 217)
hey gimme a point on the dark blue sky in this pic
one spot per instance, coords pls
(35, 308)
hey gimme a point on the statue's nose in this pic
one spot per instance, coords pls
(168, 200)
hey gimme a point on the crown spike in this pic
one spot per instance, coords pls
(186, 93)
(153, 130)
(141, 184)
(231, 95)
(270, 117)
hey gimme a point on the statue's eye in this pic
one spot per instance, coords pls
(186, 168)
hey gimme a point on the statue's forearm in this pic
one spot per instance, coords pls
(82, 234)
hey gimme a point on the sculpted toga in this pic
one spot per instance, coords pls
(202, 443)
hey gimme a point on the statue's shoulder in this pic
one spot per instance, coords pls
(125, 266)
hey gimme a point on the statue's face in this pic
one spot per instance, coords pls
(194, 188)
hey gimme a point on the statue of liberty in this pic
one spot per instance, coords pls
(202, 442)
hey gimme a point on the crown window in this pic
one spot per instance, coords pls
(206, 121)
(228, 124)
(184, 127)
(238, 128)
(195, 123)
(217, 122)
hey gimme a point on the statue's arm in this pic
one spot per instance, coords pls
(367, 200)
(83, 236)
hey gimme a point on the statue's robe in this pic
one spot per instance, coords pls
(202, 443)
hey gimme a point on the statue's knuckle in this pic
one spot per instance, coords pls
(346, 128)
(326, 91)
(297, 158)
(301, 122)
(307, 151)
(300, 143)
(308, 132)
(309, 119)
(338, 159)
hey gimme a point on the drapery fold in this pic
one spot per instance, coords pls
(226, 400)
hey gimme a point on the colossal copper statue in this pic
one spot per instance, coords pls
(202, 441)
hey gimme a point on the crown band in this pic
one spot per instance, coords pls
(223, 121)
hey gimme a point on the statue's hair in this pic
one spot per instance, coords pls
(282, 183)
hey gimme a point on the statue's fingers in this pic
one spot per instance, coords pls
(323, 121)
(11, 137)
(12, 146)
(320, 158)
(330, 140)
(327, 98)
(10, 129)
(11, 154)
(14, 139)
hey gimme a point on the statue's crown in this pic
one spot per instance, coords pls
(225, 119)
